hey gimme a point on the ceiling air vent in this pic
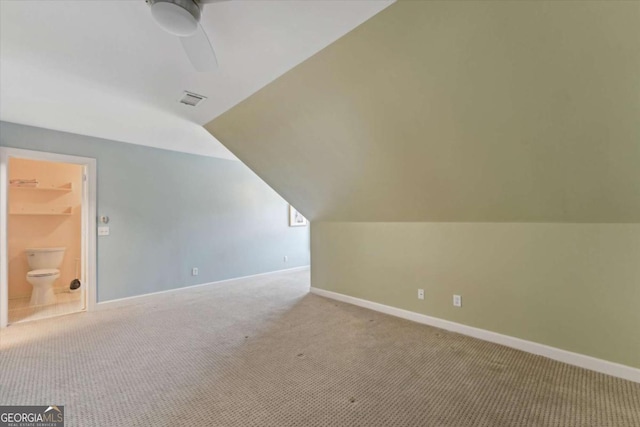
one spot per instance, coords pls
(193, 99)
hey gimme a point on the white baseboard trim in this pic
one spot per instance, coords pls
(138, 299)
(576, 359)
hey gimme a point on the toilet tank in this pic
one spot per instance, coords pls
(41, 258)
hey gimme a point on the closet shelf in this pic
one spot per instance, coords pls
(60, 211)
(64, 188)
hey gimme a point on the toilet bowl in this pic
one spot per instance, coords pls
(44, 263)
(42, 282)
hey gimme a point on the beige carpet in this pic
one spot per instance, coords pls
(264, 352)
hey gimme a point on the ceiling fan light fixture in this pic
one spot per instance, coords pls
(178, 17)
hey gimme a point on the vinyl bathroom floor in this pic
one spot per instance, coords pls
(66, 303)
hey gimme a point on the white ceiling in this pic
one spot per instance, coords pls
(105, 69)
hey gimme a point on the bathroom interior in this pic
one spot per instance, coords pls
(44, 239)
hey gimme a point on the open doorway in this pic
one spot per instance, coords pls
(47, 252)
(44, 239)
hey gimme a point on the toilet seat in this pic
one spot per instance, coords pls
(46, 272)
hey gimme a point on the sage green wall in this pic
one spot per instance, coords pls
(570, 286)
(489, 148)
(486, 111)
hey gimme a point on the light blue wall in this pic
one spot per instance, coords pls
(171, 211)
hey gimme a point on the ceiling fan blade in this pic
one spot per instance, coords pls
(199, 50)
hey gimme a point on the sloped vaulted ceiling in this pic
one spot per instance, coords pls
(457, 111)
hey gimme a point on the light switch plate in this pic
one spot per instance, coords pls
(103, 231)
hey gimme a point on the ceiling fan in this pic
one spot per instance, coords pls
(182, 18)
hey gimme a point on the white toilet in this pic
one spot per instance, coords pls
(44, 263)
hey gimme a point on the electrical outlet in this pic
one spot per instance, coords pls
(420, 293)
(457, 301)
(285, 258)
(194, 271)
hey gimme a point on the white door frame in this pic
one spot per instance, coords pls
(88, 254)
